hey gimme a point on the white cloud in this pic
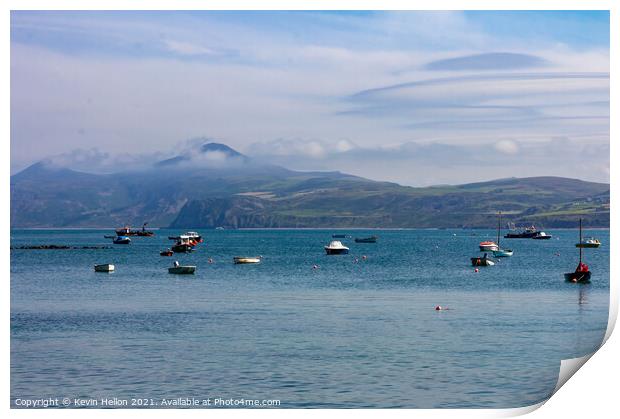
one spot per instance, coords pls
(507, 146)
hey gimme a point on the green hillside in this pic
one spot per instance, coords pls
(247, 195)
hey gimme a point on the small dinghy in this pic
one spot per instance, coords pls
(482, 261)
(582, 274)
(107, 267)
(122, 240)
(336, 248)
(245, 259)
(167, 252)
(181, 269)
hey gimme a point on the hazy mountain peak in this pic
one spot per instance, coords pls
(221, 148)
(211, 155)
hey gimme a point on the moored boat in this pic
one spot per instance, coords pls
(182, 248)
(194, 236)
(590, 242)
(339, 236)
(106, 267)
(371, 239)
(247, 259)
(582, 274)
(167, 252)
(488, 246)
(182, 270)
(127, 231)
(184, 244)
(541, 235)
(499, 252)
(527, 233)
(482, 261)
(335, 247)
(122, 240)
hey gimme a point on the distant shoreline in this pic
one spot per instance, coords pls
(297, 228)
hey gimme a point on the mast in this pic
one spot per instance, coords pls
(499, 222)
(580, 241)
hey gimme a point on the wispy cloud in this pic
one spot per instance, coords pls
(488, 61)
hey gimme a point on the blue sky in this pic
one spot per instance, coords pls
(414, 97)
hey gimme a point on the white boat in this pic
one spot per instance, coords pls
(488, 246)
(246, 259)
(181, 270)
(192, 235)
(336, 247)
(589, 242)
(499, 252)
(107, 267)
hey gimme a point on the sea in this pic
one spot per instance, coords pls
(301, 328)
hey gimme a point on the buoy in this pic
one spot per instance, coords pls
(364, 257)
(356, 260)
(437, 308)
(210, 260)
(476, 270)
(315, 266)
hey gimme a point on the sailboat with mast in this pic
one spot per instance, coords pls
(500, 253)
(582, 274)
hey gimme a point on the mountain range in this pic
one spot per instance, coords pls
(216, 186)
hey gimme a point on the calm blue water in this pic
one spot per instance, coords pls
(345, 335)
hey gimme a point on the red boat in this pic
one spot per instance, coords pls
(582, 274)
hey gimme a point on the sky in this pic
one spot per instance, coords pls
(418, 98)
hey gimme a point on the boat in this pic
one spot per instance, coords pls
(527, 233)
(500, 253)
(488, 246)
(190, 235)
(194, 236)
(336, 248)
(371, 239)
(127, 231)
(182, 248)
(182, 269)
(122, 240)
(184, 244)
(340, 236)
(541, 235)
(167, 252)
(247, 259)
(589, 242)
(106, 267)
(482, 261)
(582, 274)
